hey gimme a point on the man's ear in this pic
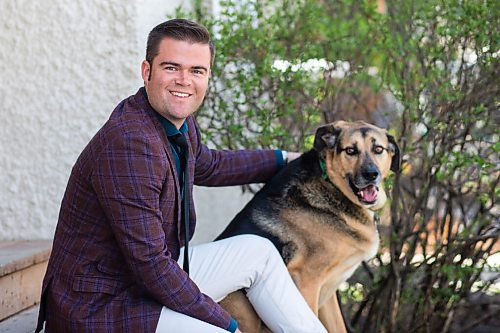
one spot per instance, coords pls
(396, 158)
(145, 70)
(326, 136)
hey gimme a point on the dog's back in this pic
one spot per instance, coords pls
(261, 215)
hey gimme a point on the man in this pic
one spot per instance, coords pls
(114, 263)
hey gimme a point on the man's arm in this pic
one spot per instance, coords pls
(227, 167)
(292, 156)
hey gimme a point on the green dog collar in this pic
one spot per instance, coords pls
(322, 165)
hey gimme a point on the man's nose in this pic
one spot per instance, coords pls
(183, 78)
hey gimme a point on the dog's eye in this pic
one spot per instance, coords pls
(351, 151)
(378, 149)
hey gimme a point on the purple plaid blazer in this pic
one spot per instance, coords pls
(113, 264)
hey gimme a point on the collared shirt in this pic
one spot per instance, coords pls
(171, 131)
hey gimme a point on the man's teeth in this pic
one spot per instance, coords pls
(179, 94)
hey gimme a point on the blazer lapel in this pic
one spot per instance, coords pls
(173, 170)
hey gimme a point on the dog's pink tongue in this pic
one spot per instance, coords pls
(369, 193)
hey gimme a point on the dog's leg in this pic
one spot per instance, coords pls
(311, 296)
(238, 305)
(308, 287)
(331, 316)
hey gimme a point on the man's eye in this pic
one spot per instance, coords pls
(351, 151)
(170, 68)
(378, 150)
(198, 72)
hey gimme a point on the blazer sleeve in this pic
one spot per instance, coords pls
(128, 178)
(232, 167)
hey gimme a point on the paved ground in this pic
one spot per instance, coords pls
(469, 318)
(23, 322)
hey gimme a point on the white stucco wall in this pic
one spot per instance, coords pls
(64, 66)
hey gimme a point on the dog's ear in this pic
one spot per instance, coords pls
(326, 136)
(396, 158)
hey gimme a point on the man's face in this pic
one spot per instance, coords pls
(177, 80)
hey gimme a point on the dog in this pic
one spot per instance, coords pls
(319, 213)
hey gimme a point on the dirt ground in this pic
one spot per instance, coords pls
(480, 314)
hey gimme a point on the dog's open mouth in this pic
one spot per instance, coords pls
(367, 194)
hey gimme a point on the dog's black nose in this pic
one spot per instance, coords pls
(370, 173)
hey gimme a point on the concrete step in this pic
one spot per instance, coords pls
(22, 322)
(22, 267)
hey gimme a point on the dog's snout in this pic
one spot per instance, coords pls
(370, 172)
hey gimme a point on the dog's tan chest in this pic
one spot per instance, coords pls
(331, 254)
(368, 231)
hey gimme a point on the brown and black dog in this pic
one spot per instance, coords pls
(319, 213)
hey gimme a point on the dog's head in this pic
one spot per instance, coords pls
(357, 157)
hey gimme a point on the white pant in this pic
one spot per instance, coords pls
(244, 262)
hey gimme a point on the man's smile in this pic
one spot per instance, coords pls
(179, 94)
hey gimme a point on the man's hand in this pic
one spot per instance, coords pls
(293, 155)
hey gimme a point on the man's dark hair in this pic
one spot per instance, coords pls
(179, 29)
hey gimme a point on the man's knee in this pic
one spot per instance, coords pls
(258, 244)
(262, 251)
